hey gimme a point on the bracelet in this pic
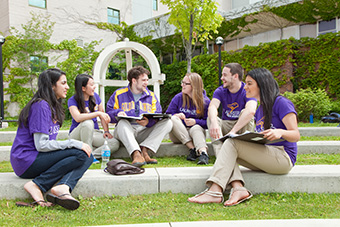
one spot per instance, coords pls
(107, 132)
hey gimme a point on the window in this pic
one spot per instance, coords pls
(37, 3)
(327, 26)
(155, 5)
(113, 16)
(38, 64)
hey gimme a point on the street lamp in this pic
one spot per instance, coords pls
(219, 41)
(2, 41)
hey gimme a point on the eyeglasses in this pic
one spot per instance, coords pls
(184, 83)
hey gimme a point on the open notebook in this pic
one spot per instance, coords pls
(250, 137)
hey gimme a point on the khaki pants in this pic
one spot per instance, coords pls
(86, 133)
(181, 134)
(133, 136)
(226, 126)
(266, 158)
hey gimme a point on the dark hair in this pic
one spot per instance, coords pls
(135, 72)
(47, 79)
(235, 68)
(269, 91)
(80, 82)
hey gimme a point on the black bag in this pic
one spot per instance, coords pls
(121, 167)
(331, 118)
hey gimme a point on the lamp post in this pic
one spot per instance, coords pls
(219, 42)
(2, 41)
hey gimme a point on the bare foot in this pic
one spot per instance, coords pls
(237, 196)
(207, 197)
(36, 194)
(137, 157)
(63, 190)
(147, 157)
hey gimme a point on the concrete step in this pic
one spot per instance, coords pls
(244, 223)
(170, 149)
(189, 180)
(8, 136)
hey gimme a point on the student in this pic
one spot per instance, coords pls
(37, 154)
(237, 109)
(275, 118)
(189, 110)
(138, 136)
(85, 106)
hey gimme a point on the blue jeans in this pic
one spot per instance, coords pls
(67, 165)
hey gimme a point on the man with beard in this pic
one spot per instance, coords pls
(237, 110)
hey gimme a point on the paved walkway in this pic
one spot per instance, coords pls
(246, 223)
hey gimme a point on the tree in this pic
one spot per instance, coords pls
(194, 19)
(24, 54)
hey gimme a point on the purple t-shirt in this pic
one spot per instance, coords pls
(23, 152)
(232, 103)
(281, 108)
(176, 106)
(73, 102)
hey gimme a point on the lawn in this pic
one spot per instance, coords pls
(170, 207)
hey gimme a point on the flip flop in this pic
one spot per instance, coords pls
(70, 204)
(152, 162)
(138, 164)
(32, 204)
(210, 193)
(241, 200)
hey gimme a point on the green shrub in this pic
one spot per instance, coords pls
(335, 106)
(309, 101)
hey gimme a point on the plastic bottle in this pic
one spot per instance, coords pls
(311, 118)
(106, 153)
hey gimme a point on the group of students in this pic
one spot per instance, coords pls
(56, 166)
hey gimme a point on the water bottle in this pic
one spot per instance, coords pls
(106, 153)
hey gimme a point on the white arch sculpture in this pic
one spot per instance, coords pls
(101, 65)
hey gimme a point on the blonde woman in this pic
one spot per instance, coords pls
(190, 110)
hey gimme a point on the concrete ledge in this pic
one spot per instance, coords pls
(319, 131)
(318, 147)
(189, 180)
(170, 149)
(8, 136)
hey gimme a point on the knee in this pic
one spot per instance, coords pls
(88, 125)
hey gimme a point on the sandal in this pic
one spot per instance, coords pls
(210, 193)
(70, 204)
(32, 204)
(241, 200)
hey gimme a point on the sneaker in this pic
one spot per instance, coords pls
(192, 155)
(203, 159)
(95, 161)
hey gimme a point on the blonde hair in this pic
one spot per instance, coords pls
(197, 94)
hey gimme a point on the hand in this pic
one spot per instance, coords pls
(108, 135)
(215, 131)
(87, 149)
(105, 117)
(122, 113)
(143, 122)
(180, 115)
(272, 134)
(190, 121)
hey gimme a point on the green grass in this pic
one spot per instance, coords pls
(170, 207)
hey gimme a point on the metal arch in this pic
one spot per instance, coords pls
(101, 65)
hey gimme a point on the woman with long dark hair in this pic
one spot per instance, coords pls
(85, 106)
(275, 119)
(190, 111)
(37, 154)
